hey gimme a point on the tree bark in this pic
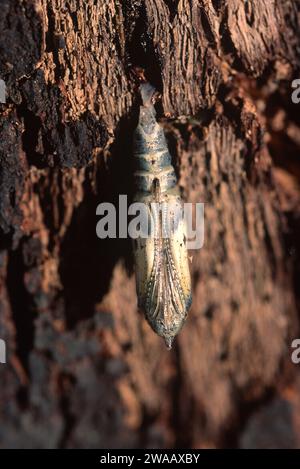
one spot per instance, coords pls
(83, 367)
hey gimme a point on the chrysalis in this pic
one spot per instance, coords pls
(161, 260)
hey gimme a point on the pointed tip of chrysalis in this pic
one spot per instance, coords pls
(147, 92)
(169, 342)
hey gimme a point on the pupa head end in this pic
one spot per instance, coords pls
(169, 342)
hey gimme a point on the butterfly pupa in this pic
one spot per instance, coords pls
(163, 279)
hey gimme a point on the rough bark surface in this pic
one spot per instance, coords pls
(84, 369)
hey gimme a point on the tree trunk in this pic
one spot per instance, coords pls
(83, 367)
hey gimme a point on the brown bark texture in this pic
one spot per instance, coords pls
(84, 369)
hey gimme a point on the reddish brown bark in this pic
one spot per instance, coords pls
(84, 369)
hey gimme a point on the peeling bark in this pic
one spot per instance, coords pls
(84, 369)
